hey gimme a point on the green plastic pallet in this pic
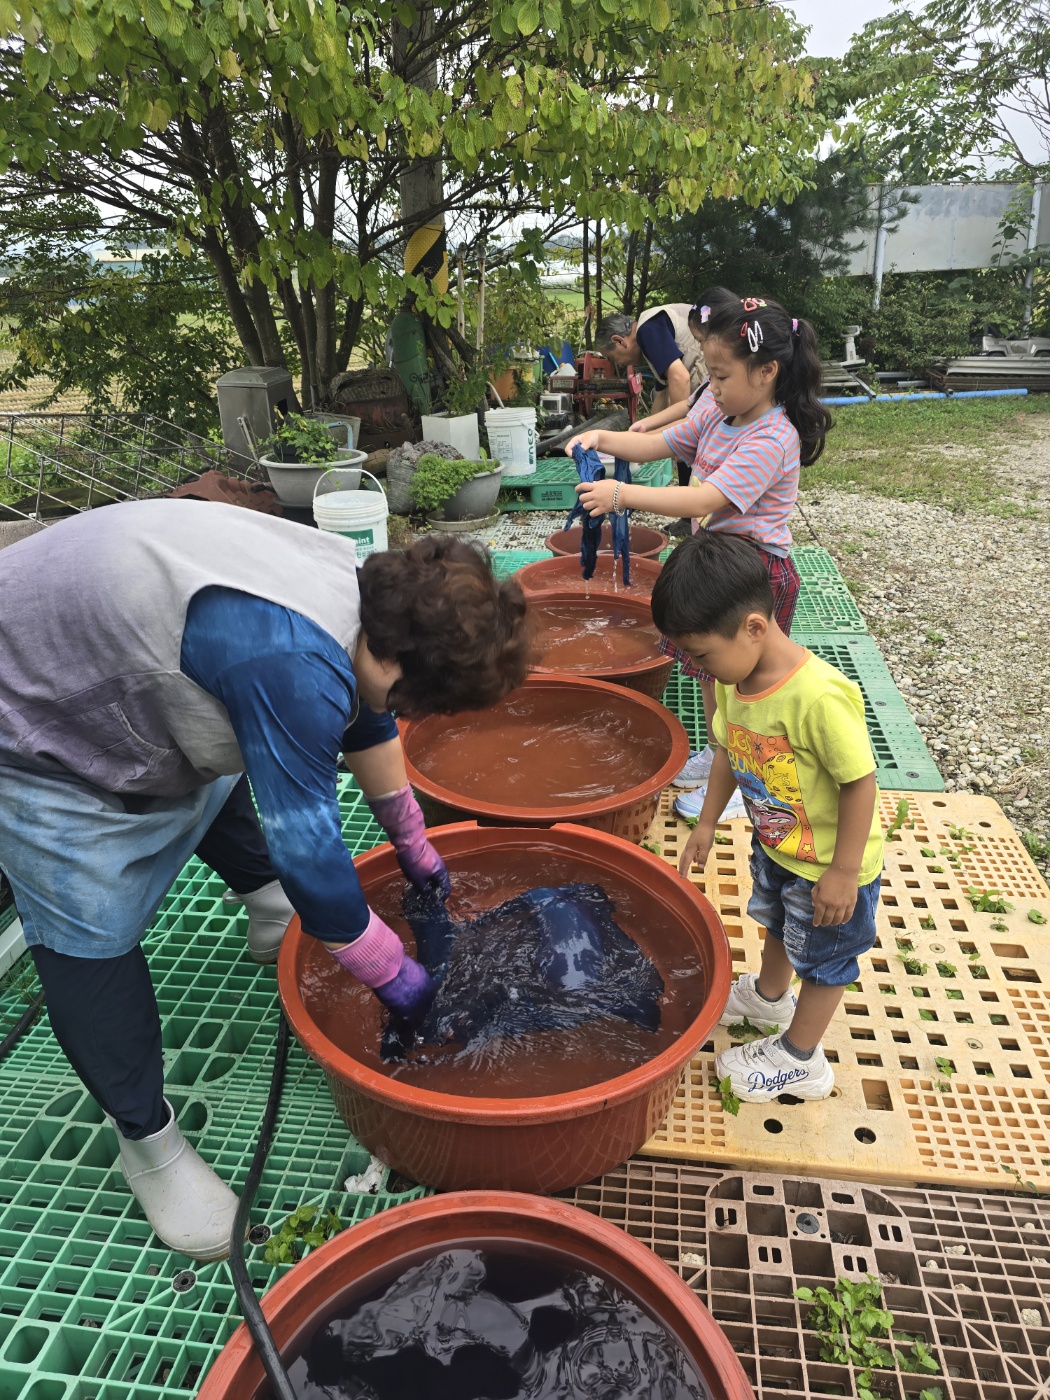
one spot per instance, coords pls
(814, 562)
(508, 561)
(87, 1307)
(553, 484)
(826, 606)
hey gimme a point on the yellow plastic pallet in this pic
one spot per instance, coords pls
(941, 1050)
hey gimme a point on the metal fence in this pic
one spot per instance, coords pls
(54, 464)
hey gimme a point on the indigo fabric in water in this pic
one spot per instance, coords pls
(472, 1324)
(549, 959)
(590, 468)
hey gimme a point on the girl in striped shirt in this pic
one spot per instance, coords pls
(747, 437)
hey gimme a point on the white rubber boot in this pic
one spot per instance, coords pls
(269, 914)
(190, 1209)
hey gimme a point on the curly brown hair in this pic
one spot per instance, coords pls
(460, 636)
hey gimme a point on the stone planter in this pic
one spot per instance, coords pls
(294, 482)
(476, 498)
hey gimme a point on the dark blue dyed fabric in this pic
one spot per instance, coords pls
(590, 468)
(549, 959)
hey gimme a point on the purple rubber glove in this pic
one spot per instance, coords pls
(399, 815)
(378, 959)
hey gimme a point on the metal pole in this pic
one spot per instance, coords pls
(1033, 239)
(461, 315)
(880, 254)
(481, 302)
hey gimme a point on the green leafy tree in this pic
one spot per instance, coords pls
(297, 144)
(954, 90)
(152, 338)
(778, 248)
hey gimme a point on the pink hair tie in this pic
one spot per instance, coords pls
(794, 326)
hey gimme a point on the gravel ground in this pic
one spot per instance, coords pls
(959, 605)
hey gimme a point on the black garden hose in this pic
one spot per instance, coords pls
(249, 1303)
(242, 1284)
(18, 1030)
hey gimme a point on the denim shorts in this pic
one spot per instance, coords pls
(782, 902)
(87, 874)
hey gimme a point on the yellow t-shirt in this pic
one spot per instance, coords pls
(790, 748)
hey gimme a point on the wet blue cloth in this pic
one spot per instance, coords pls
(590, 468)
(549, 959)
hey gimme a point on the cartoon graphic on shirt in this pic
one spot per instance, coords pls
(767, 776)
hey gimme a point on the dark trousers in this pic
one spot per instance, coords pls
(234, 845)
(103, 1011)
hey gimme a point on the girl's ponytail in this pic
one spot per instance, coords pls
(762, 331)
(798, 389)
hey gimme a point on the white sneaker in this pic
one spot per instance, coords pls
(189, 1208)
(269, 914)
(690, 804)
(697, 769)
(763, 1070)
(744, 1000)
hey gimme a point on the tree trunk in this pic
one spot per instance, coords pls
(628, 276)
(597, 271)
(325, 367)
(588, 339)
(244, 233)
(422, 182)
(643, 277)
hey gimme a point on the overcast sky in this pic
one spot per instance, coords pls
(834, 22)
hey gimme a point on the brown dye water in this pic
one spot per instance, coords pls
(543, 1062)
(521, 755)
(496, 1322)
(592, 635)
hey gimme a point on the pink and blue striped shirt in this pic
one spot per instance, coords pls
(755, 467)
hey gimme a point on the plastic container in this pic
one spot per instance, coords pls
(649, 675)
(512, 439)
(562, 575)
(547, 1143)
(341, 508)
(646, 543)
(295, 482)
(368, 1257)
(459, 430)
(631, 718)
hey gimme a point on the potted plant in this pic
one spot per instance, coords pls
(455, 490)
(458, 423)
(299, 453)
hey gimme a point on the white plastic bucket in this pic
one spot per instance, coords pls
(512, 439)
(357, 515)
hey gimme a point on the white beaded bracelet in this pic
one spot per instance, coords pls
(616, 496)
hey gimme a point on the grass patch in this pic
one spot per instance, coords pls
(897, 450)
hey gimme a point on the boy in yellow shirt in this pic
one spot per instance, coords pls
(791, 736)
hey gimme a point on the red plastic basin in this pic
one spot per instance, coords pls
(368, 1257)
(631, 653)
(547, 1143)
(646, 543)
(562, 575)
(510, 764)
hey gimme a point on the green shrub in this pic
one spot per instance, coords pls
(301, 439)
(437, 479)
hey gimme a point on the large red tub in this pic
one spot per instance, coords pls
(562, 575)
(646, 543)
(557, 749)
(363, 1260)
(474, 1139)
(609, 637)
